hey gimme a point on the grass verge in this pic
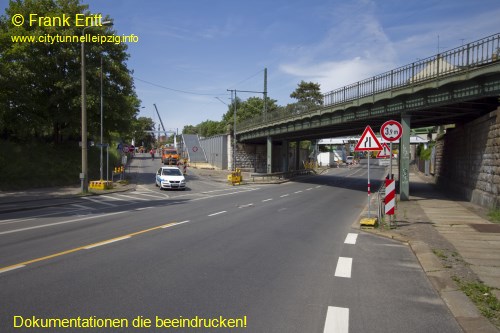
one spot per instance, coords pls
(483, 297)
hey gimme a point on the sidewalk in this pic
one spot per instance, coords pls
(453, 241)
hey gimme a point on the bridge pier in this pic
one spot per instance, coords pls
(269, 154)
(284, 154)
(404, 160)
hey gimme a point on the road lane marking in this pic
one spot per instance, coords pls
(246, 206)
(308, 189)
(337, 320)
(99, 201)
(58, 223)
(343, 267)
(174, 224)
(10, 268)
(297, 192)
(106, 242)
(270, 199)
(131, 197)
(86, 247)
(113, 198)
(284, 195)
(222, 212)
(351, 238)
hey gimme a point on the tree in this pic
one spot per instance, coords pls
(41, 81)
(140, 127)
(308, 94)
(190, 129)
(251, 108)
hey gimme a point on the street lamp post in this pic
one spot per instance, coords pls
(84, 174)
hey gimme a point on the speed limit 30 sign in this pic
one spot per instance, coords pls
(391, 130)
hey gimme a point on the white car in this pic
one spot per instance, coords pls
(170, 177)
(349, 160)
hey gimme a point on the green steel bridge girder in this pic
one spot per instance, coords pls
(455, 98)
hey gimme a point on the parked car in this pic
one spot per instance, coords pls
(170, 177)
(349, 160)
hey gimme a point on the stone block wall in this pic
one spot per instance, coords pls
(468, 160)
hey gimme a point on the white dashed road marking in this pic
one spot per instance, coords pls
(351, 238)
(343, 267)
(337, 320)
(222, 212)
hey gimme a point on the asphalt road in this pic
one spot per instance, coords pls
(272, 258)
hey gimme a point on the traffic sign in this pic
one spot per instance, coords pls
(391, 130)
(368, 141)
(195, 149)
(385, 152)
(125, 148)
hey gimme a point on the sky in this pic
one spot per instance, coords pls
(190, 52)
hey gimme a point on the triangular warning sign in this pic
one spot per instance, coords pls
(385, 152)
(368, 141)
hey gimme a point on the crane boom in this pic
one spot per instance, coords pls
(161, 122)
(163, 126)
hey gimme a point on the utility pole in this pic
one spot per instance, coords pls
(265, 94)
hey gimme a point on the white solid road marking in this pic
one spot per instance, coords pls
(99, 201)
(3, 270)
(58, 223)
(106, 242)
(337, 320)
(131, 197)
(344, 267)
(351, 238)
(113, 198)
(222, 212)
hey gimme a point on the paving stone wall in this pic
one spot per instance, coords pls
(468, 160)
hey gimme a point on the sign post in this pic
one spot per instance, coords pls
(391, 131)
(369, 143)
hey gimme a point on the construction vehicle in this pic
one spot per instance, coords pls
(169, 156)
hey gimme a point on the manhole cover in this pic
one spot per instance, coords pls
(490, 228)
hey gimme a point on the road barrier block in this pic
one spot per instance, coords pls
(368, 221)
(100, 184)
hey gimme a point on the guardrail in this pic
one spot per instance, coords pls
(460, 59)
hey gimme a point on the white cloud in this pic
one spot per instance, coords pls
(355, 48)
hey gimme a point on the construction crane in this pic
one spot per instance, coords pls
(163, 126)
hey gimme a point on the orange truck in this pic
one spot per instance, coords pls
(169, 156)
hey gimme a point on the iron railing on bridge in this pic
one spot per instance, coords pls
(462, 58)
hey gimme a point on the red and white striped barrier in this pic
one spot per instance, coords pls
(390, 196)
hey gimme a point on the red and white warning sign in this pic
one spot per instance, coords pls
(390, 196)
(385, 152)
(368, 141)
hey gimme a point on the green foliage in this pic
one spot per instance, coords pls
(483, 297)
(424, 153)
(308, 93)
(252, 107)
(39, 164)
(41, 82)
(494, 215)
(139, 126)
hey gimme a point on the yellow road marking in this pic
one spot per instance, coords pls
(84, 247)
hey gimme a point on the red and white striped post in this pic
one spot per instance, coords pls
(390, 196)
